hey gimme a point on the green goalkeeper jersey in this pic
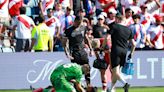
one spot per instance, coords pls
(68, 71)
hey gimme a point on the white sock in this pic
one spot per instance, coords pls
(113, 90)
(123, 82)
(112, 86)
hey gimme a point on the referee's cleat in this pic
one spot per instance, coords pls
(126, 87)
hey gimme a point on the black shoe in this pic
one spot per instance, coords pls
(126, 87)
(31, 88)
(108, 90)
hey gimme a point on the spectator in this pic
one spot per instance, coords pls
(77, 5)
(53, 24)
(59, 13)
(128, 16)
(14, 6)
(82, 13)
(106, 5)
(100, 29)
(68, 20)
(74, 45)
(111, 16)
(66, 3)
(44, 5)
(41, 37)
(99, 33)
(139, 32)
(4, 17)
(155, 34)
(135, 7)
(162, 9)
(146, 18)
(125, 4)
(153, 6)
(120, 35)
(22, 24)
(89, 7)
(105, 16)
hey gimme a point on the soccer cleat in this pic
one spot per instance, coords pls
(31, 88)
(103, 91)
(111, 90)
(126, 87)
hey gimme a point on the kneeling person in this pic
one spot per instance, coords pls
(64, 75)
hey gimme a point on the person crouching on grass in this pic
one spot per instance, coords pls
(66, 78)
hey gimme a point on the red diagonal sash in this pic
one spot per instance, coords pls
(48, 3)
(24, 22)
(137, 33)
(49, 22)
(156, 37)
(1, 5)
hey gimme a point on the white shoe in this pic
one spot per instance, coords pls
(103, 91)
(112, 90)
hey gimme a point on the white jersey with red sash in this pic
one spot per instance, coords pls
(126, 3)
(136, 9)
(146, 19)
(65, 3)
(104, 2)
(46, 5)
(139, 35)
(129, 21)
(14, 6)
(155, 35)
(4, 8)
(23, 24)
(59, 14)
(52, 23)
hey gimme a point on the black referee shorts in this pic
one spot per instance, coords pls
(80, 57)
(118, 57)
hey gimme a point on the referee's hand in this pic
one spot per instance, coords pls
(70, 57)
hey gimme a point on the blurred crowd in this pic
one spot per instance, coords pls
(21, 22)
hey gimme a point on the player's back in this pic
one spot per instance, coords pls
(69, 71)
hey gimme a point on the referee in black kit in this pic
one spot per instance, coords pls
(120, 36)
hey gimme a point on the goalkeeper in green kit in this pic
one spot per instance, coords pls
(65, 75)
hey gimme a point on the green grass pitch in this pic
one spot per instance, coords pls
(142, 89)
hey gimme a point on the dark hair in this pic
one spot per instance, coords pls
(127, 9)
(49, 9)
(41, 19)
(22, 10)
(136, 16)
(119, 16)
(78, 18)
